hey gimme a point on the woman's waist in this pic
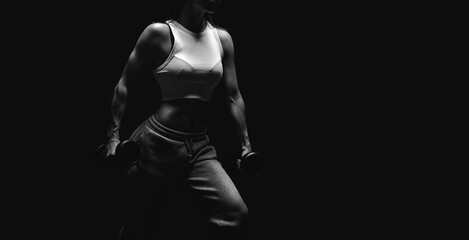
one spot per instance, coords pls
(185, 115)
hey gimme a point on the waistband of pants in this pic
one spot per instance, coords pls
(174, 134)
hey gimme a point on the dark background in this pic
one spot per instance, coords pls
(66, 64)
(319, 85)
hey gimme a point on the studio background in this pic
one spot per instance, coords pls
(71, 58)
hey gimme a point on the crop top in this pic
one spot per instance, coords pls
(194, 65)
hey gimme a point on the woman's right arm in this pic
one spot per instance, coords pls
(146, 53)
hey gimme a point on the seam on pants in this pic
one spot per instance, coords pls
(189, 146)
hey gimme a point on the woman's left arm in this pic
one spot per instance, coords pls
(230, 89)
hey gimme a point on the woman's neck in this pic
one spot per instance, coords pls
(192, 19)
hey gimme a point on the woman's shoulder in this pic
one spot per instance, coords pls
(225, 39)
(157, 29)
(154, 33)
(224, 35)
(222, 32)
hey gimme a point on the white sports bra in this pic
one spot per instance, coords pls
(194, 65)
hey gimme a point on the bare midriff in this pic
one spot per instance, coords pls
(184, 115)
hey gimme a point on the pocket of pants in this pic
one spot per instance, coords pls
(138, 132)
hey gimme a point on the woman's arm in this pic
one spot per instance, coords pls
(229, 84)
(144, 56)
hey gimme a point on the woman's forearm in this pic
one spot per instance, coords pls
(238, 114)
(118, 106)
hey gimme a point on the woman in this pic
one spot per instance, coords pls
(188, 57)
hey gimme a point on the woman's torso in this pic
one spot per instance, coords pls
(182, 114)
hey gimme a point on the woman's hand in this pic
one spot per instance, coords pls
(251, 163)
(111, 147)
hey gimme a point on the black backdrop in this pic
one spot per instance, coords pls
(315, 108)
(67, 59)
